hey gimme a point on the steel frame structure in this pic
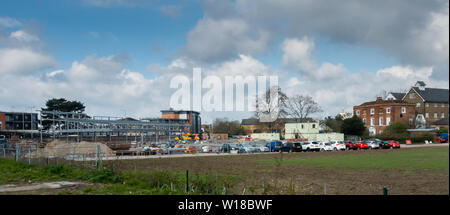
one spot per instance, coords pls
(77, 124)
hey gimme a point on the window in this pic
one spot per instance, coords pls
(364, 121)
(388, 121)
(418, 104)
(358, 112)
(403, 110)
(435, 115)
(372, 111)
(303, 126)
(411, 121)
(435, 105)
(380, 132)
(442, 105)
(380, 121)
(313, 125)
(427, 115)
(427, 105)
(388, 110)
(442, 115)
(412, 95)
(372, 121)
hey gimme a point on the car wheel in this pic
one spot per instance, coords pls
(392, 147)
(335, 149)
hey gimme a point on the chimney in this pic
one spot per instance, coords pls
(379, 98)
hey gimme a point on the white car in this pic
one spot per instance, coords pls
(206, 149)
(372, 144)
(264, 149)
(325, 146)
(310, 146)
(338, 145)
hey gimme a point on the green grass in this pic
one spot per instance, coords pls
(121, 183)
(421, 159)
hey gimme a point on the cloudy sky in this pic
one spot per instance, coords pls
(118, 56)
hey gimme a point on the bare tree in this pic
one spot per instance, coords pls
(271, 106)
(301, 107)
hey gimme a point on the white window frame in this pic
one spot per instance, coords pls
(418, 104)
(442, 105)
(427, 115)
(435, 115)
(388, 121)
(442, 115)
(372, 111)
(435, 104)
(372, 121)
(388, 110)
(427, 105)
(364, 120)
(358, 112)
(403, 109)
(412, 95)
(380, 121)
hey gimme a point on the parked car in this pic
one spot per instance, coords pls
(390, 144)
(311, 146)
(361, 145)
(351, 145)
(225, 148)
(238, 147)
(206, 149)
(373, 144)
(297, 146)
(325, 146)
(287, 147)
(264, 149)
(338, 145)
(274, 146)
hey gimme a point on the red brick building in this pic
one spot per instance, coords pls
(378, 114)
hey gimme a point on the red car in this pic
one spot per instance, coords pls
(361, 145)
(350, 145)
(392, 144)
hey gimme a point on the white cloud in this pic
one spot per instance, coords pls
(21, 61)
(23, 36)
(8, 22)
(217, 40)
(299, 54)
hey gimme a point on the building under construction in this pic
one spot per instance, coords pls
(80, 127)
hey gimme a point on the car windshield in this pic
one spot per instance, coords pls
(315, 143)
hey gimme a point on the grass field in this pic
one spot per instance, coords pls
(403, 171)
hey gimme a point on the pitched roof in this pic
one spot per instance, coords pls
(398, 96)
(433, 94)
(441, 122)
(385, 102)
(250, 121)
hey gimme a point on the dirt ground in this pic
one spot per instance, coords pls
(303, 180)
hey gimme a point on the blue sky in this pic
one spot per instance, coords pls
(111, 53)
(73, 30)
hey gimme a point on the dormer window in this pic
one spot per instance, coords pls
(412, 95)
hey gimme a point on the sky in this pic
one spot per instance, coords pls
(119, 56)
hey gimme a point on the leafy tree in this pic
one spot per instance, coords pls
(224, 126)
(61, 105)
(353, 126)
(335, 123)
(396, 128)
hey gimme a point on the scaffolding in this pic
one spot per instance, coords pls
(79, 125)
